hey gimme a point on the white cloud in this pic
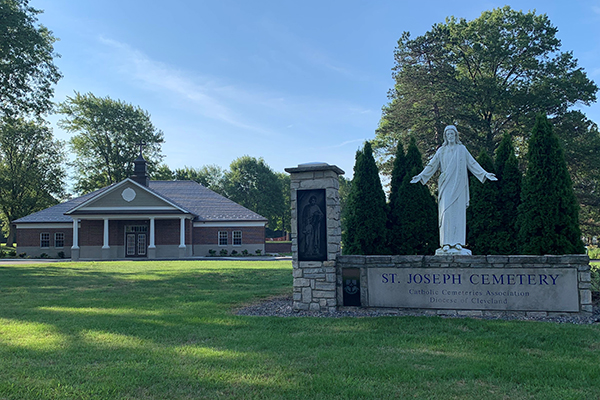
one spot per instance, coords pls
(159, 76)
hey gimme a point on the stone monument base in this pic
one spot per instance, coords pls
(453, 251)
(468, 285)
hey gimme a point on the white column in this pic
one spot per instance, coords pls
(151, 245)
(182, 233)
(75, 233)
(105, 239)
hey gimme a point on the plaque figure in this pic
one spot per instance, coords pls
(453, 160)
(312, 226)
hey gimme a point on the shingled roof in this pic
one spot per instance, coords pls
(207, 205)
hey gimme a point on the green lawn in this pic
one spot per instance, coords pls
(165, 330)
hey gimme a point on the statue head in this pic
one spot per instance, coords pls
(451, 129)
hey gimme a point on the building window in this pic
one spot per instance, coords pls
(59, 239)
(222, 238)
(237, 238)
(44, 240)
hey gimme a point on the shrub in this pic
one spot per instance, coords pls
(12, 253)
(61, 254)
(223, 253)
(258, 252)
(2, 254)
(44, 255)
(233, 252)
(593, 252)
(212, 253)
(244, 252)
(22, 255)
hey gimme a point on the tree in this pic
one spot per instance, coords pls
(285, 220)
(366, 208)
(394, 220)
(162, 173)
(417, 210)
(483, 217)
(210, 176)
(27, 70)
(548, 215)
(488, 76)
(509, 197)
(106, 140)
(251, 183)
(580, 139)
(344, 191)
(31, 171)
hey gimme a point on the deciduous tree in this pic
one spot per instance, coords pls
(27, 70)
(211, 176)
(31, 170)
(253, 184)
(487, 76)
(106, 139)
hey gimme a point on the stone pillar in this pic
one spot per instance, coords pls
(316, 235)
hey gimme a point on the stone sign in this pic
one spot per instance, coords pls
(508, 289)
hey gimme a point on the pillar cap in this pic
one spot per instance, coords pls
(315, 166)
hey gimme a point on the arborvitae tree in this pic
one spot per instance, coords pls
(367, 210)
(548, 218)
(483, 218)
(394, 219)
(417, 210)
(509, 196)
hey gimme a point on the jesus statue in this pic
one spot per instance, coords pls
(453, 160)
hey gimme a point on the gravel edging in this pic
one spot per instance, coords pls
(282, 307)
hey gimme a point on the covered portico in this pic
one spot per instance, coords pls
(134, 222)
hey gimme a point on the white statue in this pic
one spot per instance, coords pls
(453, 160)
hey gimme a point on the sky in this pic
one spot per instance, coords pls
(289, 81)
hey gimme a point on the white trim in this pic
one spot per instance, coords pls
(228, 224)
(129, 208)
(118, 185)
(42, 225)
(132, 216)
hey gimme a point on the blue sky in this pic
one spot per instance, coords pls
(289, 81)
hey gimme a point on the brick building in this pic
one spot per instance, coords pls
(140, 218)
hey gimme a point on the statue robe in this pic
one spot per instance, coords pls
(453, 161)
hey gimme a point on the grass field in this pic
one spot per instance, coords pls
(165, 330)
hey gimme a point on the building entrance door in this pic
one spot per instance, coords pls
(136, 240)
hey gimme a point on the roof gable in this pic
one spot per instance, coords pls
(127, 196)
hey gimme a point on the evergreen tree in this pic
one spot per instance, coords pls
(394, 222)
(367, 215)
(417, 209)
(483, 218)
(548, 218)
(509, 196)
